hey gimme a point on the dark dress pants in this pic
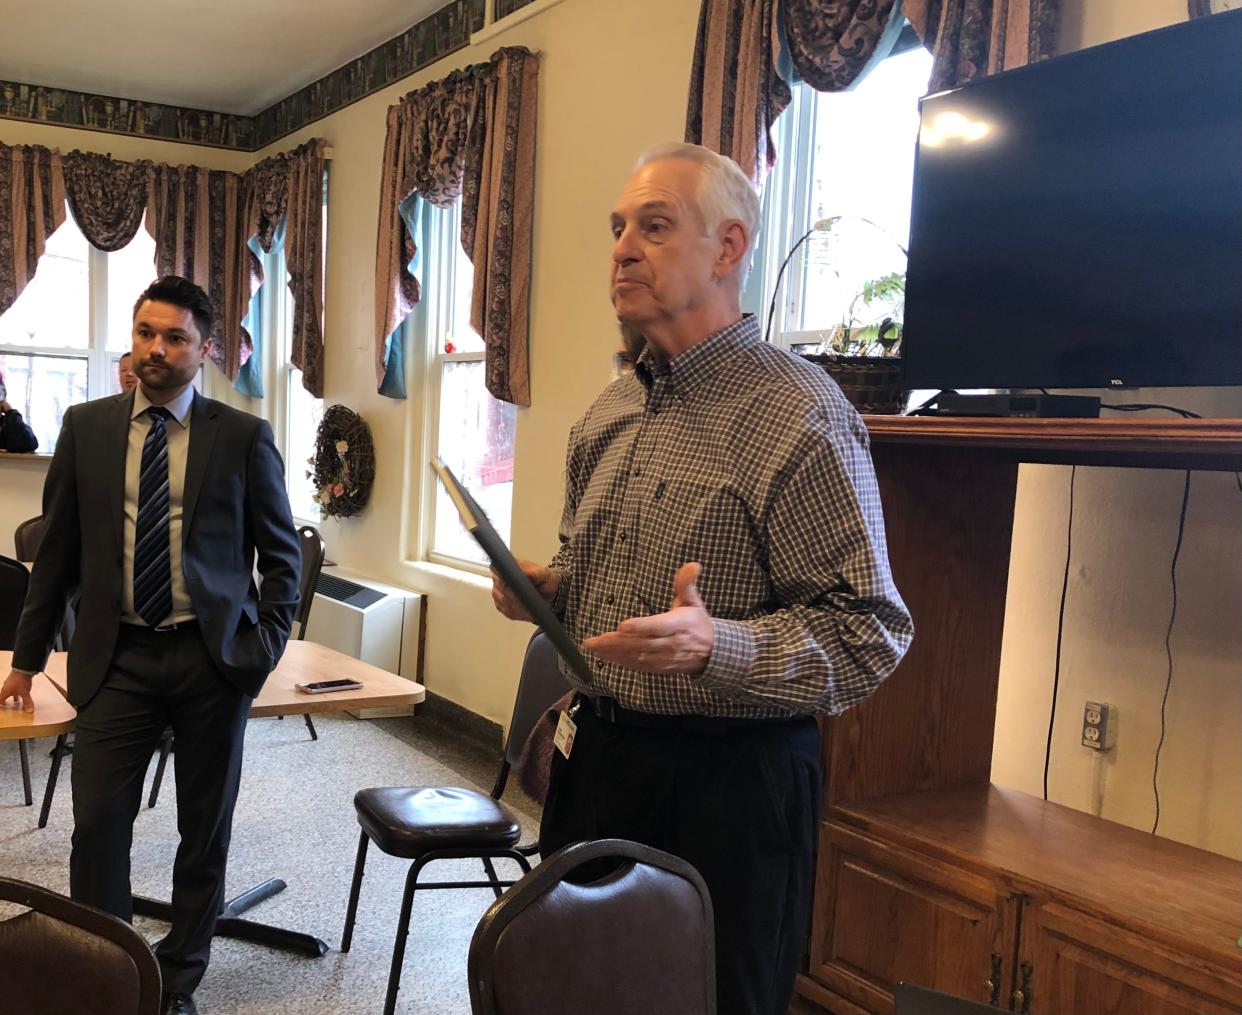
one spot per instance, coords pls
(742, 806)
(159, 679)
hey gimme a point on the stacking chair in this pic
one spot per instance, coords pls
(429, 823)
(26, 542)
(639, 939)
(27, 538)
(62, 956)
(14, 580)
(313, 551)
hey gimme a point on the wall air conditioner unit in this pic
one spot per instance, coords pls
(377, 623)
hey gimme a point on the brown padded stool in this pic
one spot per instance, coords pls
(426, 823)
(409, 821)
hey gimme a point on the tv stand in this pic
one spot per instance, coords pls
(925, 871)
(1031, 406)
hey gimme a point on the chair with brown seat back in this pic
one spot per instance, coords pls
(429, 823)
(26, 540)
(313, 551)
(14, 580)
(313, 548)
(637, 938)
(62, 956)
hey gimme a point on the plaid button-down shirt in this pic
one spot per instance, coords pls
(750, 461)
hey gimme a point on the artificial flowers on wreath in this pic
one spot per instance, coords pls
(344, 463)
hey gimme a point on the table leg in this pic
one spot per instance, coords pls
(230, 923)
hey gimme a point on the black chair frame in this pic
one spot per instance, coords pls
(524, 718)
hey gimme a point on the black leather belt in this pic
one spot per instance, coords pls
(706, 725)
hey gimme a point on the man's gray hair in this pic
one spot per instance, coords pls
(724, 191)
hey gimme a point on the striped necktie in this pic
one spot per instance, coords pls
(152, 563)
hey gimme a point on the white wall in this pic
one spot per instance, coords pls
(1118, 608)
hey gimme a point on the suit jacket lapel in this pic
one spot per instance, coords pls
(204, 422)
(115, 449)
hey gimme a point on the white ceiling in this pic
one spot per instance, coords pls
(228, 56)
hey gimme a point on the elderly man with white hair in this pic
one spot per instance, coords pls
(723, 562)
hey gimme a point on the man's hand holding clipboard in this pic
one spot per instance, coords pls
(546, 582)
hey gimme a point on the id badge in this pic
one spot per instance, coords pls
(566, 728)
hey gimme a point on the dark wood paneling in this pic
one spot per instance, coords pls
(1149, 443)
(949, 518)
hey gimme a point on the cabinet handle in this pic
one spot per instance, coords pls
(1022, 996)
(993, 985)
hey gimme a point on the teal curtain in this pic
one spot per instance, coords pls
(275, 279)
(419, 225)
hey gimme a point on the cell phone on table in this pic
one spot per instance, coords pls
(323, 686)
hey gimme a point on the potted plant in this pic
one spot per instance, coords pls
(862, 351)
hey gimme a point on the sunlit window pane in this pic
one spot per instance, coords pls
(462, 337)
(42, 388)
(130, 271)
(53, 311)
(476, 442)
(305, 413)
(863, 165)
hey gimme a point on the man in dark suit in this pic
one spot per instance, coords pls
(157, 503)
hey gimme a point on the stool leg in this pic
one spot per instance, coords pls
(58, 752)
(403, 929)
(492, 877)
(21, 750)
(165, 747)
(310, 725)
(348, 937)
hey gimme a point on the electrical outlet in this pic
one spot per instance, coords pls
(1097, 725)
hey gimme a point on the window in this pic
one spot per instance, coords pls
(61, 339)
(849, 157)
(293, 411)
(463, 425)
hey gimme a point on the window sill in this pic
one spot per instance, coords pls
(30, 456)
(470, 578)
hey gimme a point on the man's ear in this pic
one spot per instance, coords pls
(733, 246)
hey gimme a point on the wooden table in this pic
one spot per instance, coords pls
(52, 717)
(303, 662)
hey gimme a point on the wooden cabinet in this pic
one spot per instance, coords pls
(896, 915)
(928, 873)
(1071, 962)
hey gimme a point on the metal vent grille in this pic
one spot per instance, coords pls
(345, 591)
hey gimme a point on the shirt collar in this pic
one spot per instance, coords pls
(179, 406)
(697, 363)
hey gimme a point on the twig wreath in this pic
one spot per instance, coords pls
(344, 463)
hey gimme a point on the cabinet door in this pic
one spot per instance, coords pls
(1074, 964)
(884, 914)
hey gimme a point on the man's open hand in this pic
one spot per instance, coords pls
(679, 641)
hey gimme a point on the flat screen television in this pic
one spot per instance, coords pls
(1078, 223)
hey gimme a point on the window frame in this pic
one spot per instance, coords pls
(101, 362)
(423, 333)
(786, 213)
